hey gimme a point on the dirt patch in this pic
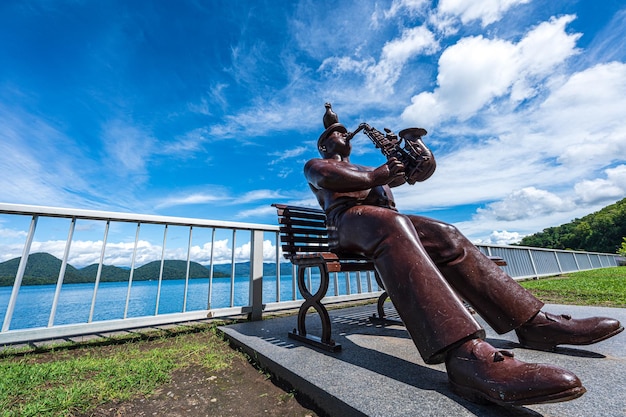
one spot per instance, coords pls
(241, 390)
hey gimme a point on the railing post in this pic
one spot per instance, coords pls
(132, 271)
(278, 267)
(188, 266)
(576, 262)
(158, 297)
(57, 292)
(233, 254)
(558, 263)
(99, 273)
(20, 274)
(256, 275)
(532, 263)
(210, 296)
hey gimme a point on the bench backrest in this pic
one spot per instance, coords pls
(302, 230)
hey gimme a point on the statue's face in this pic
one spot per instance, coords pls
(337, 143)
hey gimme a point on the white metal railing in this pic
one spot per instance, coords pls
(257, 245)
(59, 310)
(527, 262)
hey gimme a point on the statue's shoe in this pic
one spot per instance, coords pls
(481, 373)
(545, 331)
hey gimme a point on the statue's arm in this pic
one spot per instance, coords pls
(344, 177)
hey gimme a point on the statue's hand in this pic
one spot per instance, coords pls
(390, 173)
(396, 171)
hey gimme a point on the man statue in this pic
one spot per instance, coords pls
(428, 267)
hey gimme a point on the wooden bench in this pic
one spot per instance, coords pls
(304, 240)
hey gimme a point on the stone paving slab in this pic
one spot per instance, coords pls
(379, 372)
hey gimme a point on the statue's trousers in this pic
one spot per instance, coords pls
(425, 265)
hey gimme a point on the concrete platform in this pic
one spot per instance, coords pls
(379, 372)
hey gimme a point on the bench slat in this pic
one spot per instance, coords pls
(303, 213)
(294, 223)
(303, 231)
(291, 250)
(304, 240)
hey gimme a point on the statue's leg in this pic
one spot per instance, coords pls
(497, 297)
(432, 312)
(439, 324)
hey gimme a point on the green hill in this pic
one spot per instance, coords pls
(172, 269)
(43, 268)
(243, 268)
(109, 273)
(601, 231)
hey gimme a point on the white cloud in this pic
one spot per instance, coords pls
(286, 154)
(531, 210)
(262, 211)
(585, 115)
(500, 238)
(525, 203)
(256, 195)
(399, 7)
(194, 198)
(535, 168)
(186, 144)
(128, 149)
(41, 165)
(395, 54)
(381, 76)
(600, 190)
(344, 64)
(217, 195)
(12, 234)
(487, 11)
(477, 70)
(609, 44)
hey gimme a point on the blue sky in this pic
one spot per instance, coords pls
(210, 109)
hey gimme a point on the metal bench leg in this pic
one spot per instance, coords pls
(314, 300)
(381, 319)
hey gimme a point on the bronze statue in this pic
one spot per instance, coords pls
(428, 267)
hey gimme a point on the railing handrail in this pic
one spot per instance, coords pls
(544, 249)
(32, 210)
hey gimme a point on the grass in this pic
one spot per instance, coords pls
(599, 287)
(63, 382)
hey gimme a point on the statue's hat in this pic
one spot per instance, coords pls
(329, 130)
(331, 123)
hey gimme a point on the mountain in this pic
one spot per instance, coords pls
(243, 268)
(109, 273)
(43, 268)
(601, 231)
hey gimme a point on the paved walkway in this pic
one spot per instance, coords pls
(380, 373)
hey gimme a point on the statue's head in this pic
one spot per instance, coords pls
(330, 129)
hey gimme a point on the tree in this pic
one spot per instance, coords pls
(622, 250)
(601, 231)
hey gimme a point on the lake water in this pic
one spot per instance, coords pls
(34, 303)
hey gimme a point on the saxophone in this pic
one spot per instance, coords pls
(419, 162)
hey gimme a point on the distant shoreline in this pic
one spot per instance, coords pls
(43, 269)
